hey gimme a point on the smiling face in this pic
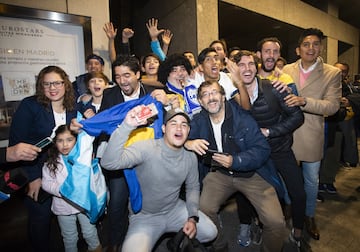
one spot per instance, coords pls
(151, 66)
(65, 142)
(212, 99)
(211, 66)
(176, 131)
(96, 86)
(93, 65)
(247, 66)
(54, 88)
(127, 79)
(309, 49)
(178, 76)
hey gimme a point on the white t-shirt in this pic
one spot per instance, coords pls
(224, 81)
(217, 134)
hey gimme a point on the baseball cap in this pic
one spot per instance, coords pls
(94, 56)
(174, 112)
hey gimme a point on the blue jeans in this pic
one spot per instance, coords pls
(311, 183)
(68, 226)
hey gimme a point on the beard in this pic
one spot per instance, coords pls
(267, 70)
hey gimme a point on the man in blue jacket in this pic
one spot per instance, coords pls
(240, 163)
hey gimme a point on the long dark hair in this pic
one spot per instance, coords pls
(53, 152)
(69, 98)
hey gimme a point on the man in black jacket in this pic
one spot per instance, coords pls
(277, 122)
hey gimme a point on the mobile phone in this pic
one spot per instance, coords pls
(208, 160)
(44, 142)
(293, 89)
(147, 112)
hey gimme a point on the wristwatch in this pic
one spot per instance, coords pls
(305, 102)
(195, 218)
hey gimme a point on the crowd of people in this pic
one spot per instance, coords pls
(243, 124)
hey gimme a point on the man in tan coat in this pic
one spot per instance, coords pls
(319, 88)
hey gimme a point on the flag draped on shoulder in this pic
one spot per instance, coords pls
(85, 184)
(108, 120)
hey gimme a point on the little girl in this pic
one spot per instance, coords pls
(54, 174)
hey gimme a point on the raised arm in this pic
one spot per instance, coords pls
(116, 156)
(127, 33)
(166, 39)
(154, 32)
(244, 100)
(111, 32)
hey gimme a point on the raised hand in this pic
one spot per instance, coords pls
(154, 32)
(166, 37)
(109, 30)
(127, 33)
(131, 117)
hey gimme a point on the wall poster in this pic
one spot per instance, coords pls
(27, 45)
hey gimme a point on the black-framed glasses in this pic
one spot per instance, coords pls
(212, 93)
(55, 84)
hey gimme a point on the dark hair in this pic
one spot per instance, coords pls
(147, 56)
(222, 42)
(310, 31)
(92, 75)
(209, 83)
(129, 61)
(239, 55)
(69, 97)
(172, 61)
(282, 59)
(188, 52)
(203, 53)
(96, 57)
(234, 48)
(196, 63)
(264, 40)
(53, 152)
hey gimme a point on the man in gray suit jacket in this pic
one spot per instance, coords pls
(319, 88)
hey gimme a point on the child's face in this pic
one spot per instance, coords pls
(65, 142)
(97, 86)
(151, 65)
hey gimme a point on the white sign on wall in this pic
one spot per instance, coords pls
(27, 46)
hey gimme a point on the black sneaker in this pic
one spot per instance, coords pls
(322, 187)
(330, 188)
(300, 244)
(320, 198)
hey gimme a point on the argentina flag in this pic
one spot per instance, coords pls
(106, 122)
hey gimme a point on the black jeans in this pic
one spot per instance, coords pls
(39, 218)
(117, 208)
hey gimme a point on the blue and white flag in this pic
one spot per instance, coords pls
(85, 184)
(108, 120)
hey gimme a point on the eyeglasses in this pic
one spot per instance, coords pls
(207, 94)
(55, 84)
